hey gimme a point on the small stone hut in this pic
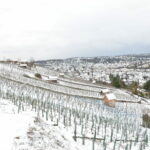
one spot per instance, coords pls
(110, 99)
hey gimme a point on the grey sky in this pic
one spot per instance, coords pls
(46, 29)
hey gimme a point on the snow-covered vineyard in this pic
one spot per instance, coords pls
(68, 115)
(71, 87)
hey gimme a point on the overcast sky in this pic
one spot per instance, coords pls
(45, 29)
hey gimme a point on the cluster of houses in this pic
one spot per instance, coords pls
(137, 70)
(20, 63)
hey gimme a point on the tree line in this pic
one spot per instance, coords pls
(118, 82)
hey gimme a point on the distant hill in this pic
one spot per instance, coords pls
(98, 59)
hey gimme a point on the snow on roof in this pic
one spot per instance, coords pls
(49, 78)
(105, 90)
(23, 65)
(52, 77)
(111, 96)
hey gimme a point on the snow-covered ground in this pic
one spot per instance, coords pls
(12, 124)
(24, 131)
(87, 119)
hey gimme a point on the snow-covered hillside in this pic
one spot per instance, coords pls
(37, 115)
(25, 131)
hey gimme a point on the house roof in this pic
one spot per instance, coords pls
(50, 78)
(23, 65)
(105, 90)
(53, 78)
(111, 96)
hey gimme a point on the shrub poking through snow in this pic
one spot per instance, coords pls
(38, 75)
